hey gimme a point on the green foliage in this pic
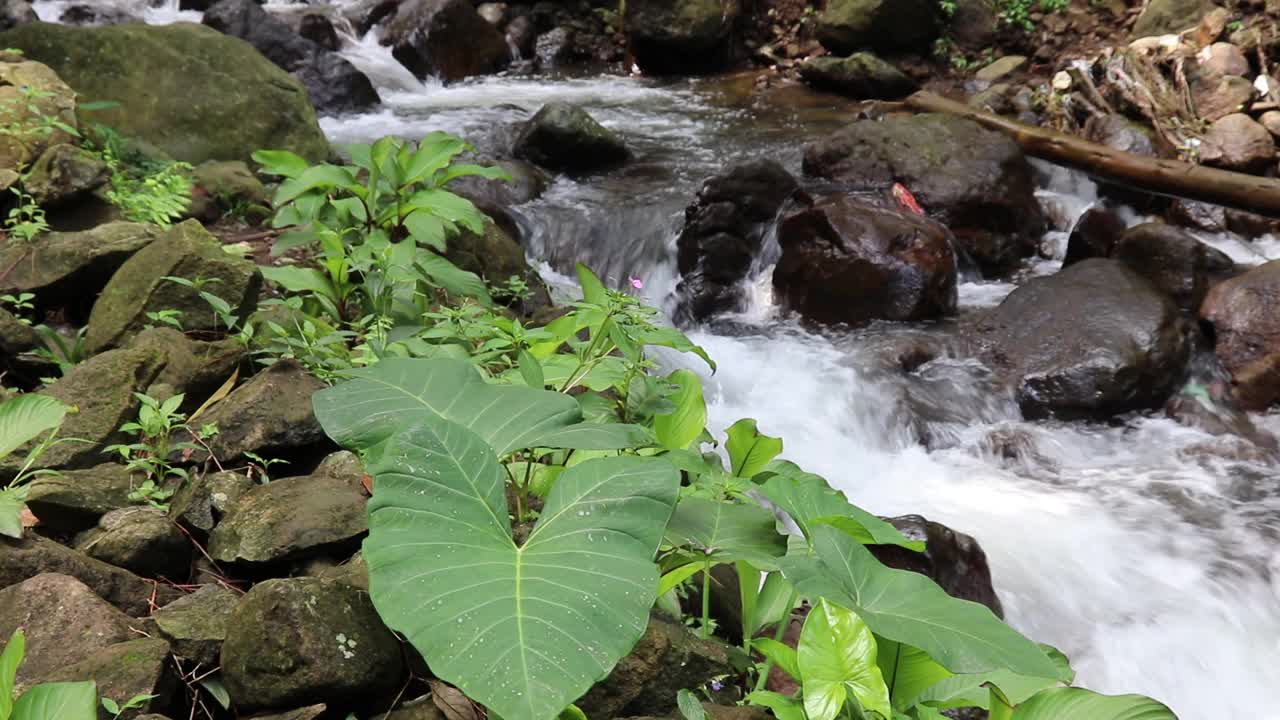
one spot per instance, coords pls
(133, 703)
(31, 122)
(836, 659)
(1080, 704)
(47, 701)
(1017, 13)
(150, 455)
(145, 190)
(62, 351)
(25, 419)
(26, 220)
(20, 305)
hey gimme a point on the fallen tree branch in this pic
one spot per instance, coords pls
(1152, 175)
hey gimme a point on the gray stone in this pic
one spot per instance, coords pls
(885, 25)
(72, 265)
(204, 499)
(444, 38)
(126, 670)
(291, 518)
(1238, 142)
(997, 70)
(860, 76)
(142, 540)
(561, 136)
(196, 624)
(34, 555)
(63, 173)
(1173, 260)
(73, 500)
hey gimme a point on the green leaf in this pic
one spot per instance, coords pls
(595, 436)
(971, 690)
(784, 656)
(727, 531)
(26, 417)
(219, 692)
(689, 706)
(836, 657)
(315, 177)
(1080, 704)
(783, 707)
(58, 701)
(531, 370)
(678, 429)
(773, 603)
(433, 155)
(299, 279)
(10, 659)
(812, 503)
(525, 629)
(573, 712)
(464, 169)
(451, 207)
(749, 450)
(110, 706)
(907, 607)
(12, 501)
(426, 229)
(592, 289)
(669, 337)
(280, 162)
(908, 671)
(673, 578)
(451, 278)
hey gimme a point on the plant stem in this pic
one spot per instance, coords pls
(777, 635)
(706, 598)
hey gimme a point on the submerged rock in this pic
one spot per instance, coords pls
(886, 25)
(1246, 331)
(561, 136)
(952, 559)
(1173, 260)
(848, 261)
(444, 38)
(860, 76)
(681, 36)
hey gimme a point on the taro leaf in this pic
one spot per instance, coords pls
(689, 706)
(971, 690)
(12, 502)
(10, 659)
(26, 417)
(783, 707)
(812, 503)
(526, 629)
(836, 657)
(728, 532)
(908, 671)
(398, 392)
(1080, 704)
(678, 429)
(907, 607)
(784, 656)
(58, 701)
(749, 450)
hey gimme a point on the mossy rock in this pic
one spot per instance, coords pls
(63, 173)
(203, 499)
(291, 518)
(196, 624)
(860, 76)
(15, 336)
(497, 257)
(25, 117)
(194, 367)
(228, 185)
(125, 670)
(73, 500)
(140, 539)
(188, 89)
(62, 266)
(187, 251)
(35, 555)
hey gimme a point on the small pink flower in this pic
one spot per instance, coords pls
(637, 283)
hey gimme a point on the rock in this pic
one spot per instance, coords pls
(494, 13)
(333, 84)
(1246, 331)
(723, 232)
(354, 572)
(16, 336)
(1092, 341)
(884, 25)
(63, 621)
(1094, 236)
(975, 181)
(1217, 96)
(497, 257)
(1120, 133)
(1173, 260)
(245, 103)
(1164, 17)
(680, 36)
(270, 416)
(66, 266)
(311, 712)
(554, 47)
(420, 709)
(667, 658)
(973, 24)
(1198, 215)
(307, 640)
(196, 624)
(139, 539)
(50, 97)
(522, 36)
(16, 12)
(1207, 402)
(1224, 59)
(203, 500)
(997, 70)
(96, 15)
(187, 251)
(34, 555)
(1271, 121)
(225, 186)
(561, 136)
(444, 38)
(194, 367)
(860, 76)
(997, 99)
(65, 172)
(1237, 142)
(291, 518)
(73, 500)
(318, 27)
(527, 183)
(1250, 225)
(126, 670)
(952, 559)
(848, 261)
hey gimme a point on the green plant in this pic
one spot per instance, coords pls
(64, 352)
(29, 119)
(1017, 13)
(150, 455)
(515, 289)
(46, 701)
(133, 703)
(26, 220)
(24, 419)
(157, 196)
(20, 305)
(222, 310)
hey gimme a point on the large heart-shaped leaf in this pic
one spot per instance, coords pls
(907, 607)
(1080, 704)
(727, 531)
(58, 701)
(908, 671)
(398, 392)
(523, 629)
(27, 417)
(971, 690)
(836, 657)
(749, 449)
(811, 502)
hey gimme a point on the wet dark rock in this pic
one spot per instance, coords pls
(1173, 261)
(561, 136)
(522, 35)
(554, 47)
(67, 266)
(292, 518)
(63, 620)
(196, 624)
(1246, 330)
(203, 499)
(860, 76)
(34, 555)
(444, 38)
(496, 257)
(318, 28)
(1093, 341)
(1161, 17)
(139, 539)
(848, 261)
(307, 640)
(1198, 215)
(124, 670)
(885, 25)
(680, 36)
(1094, 236)
(64, 173)
(73, 500)
(975, 181)
(723, 233)
(952, 559)
(333, 84)
(972, 25)
(527, 183)
(16, 12)
(667, 658)
(1206, 401)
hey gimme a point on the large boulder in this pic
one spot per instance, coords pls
(291, 518)
(139, 286)
(561, 136)
(196, 624)
(724, 229)
(1092, 341)
(860, 76)
(848, 26)
(307, 640)
(952, 559)
(333, 84)
(1162, 17)
(1246, 331)
(30, 95)
(34, 555)
(73, 500)
(444, 38)
(848, 261)
(65, 266)
(142, 540)
(679, 36)
(244, 103)
(1173, 260)
(140, 666)
(975, 181)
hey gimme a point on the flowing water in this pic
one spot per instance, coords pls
(1150, 563)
